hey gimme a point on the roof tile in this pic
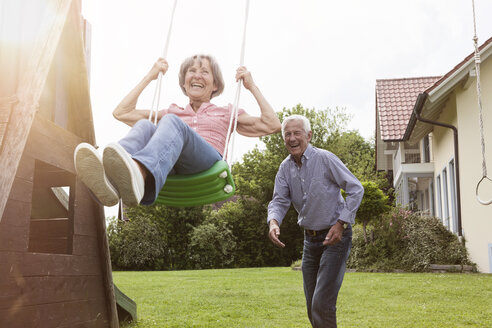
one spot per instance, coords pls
(395, 99)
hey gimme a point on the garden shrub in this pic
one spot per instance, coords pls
(174, 226)
(246, 218)
(373, 205)
(429, 242)
(135, 245)
(408, 241)
(212, 246)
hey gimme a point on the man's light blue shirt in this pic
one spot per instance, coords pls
(314, 190)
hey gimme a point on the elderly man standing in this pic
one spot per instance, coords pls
(311, 179)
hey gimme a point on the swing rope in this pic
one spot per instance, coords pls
(235, 105)
(230, 137)
(479, 96)
(157, 91)
(216, 183)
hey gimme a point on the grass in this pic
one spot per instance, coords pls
(273, 297)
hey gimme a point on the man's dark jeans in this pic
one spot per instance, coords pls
(323, 268)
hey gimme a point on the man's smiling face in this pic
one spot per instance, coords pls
(296, 139)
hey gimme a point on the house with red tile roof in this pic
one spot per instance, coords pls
(428, 137)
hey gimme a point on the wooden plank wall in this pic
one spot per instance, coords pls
(6, 104)
(28, 93)
(50, 290)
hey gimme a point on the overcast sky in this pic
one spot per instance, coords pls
(317, 53)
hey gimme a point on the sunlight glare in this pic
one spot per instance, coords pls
(21, 21)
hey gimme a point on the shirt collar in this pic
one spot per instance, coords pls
(203, 106)
(307, 153)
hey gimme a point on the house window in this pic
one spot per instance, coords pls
(418, 193)
(425, 202)
(411, 153)
(399, 193)
(431, 198)
(439, 197)
(445, 197)
(413, 194)
(452, 188)
(51, 224)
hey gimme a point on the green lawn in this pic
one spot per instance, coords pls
(273, 297)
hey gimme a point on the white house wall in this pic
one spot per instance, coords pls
(476, 218)
(443, 146)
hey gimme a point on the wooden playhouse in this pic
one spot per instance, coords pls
(55, 268)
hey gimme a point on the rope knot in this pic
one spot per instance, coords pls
(477, 58)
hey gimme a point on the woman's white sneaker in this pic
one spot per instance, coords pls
(124, 173)
(90, 170)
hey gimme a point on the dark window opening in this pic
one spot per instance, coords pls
(51, 226)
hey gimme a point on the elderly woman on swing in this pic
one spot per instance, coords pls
(186, 140)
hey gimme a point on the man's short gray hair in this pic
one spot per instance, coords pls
(305, 123)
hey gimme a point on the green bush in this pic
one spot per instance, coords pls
(407, 241)
(373, 205)
(135, 245)
(155, 238)
(429, 242)
(247, 221)
(212, 246)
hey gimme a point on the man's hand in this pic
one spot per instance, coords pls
(274, 233)
(334, 235)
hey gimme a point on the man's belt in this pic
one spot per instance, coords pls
(316, 232)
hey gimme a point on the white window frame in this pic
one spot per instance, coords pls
(445, 197)
(452, 189)
(431, 199)
(439, 196)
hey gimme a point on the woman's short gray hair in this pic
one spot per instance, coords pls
(305, 123)
(217, 74)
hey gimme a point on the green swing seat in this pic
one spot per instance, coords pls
(207, 187)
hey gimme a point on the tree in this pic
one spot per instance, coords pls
(356, 153)
(246, 219)
(135, 245)
(373, 205)
(255, 176)
(174, 225)
(212, 245)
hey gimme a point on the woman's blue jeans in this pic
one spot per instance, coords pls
(323, 268)
(171, 147)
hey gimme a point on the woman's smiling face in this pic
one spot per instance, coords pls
(199, 81)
